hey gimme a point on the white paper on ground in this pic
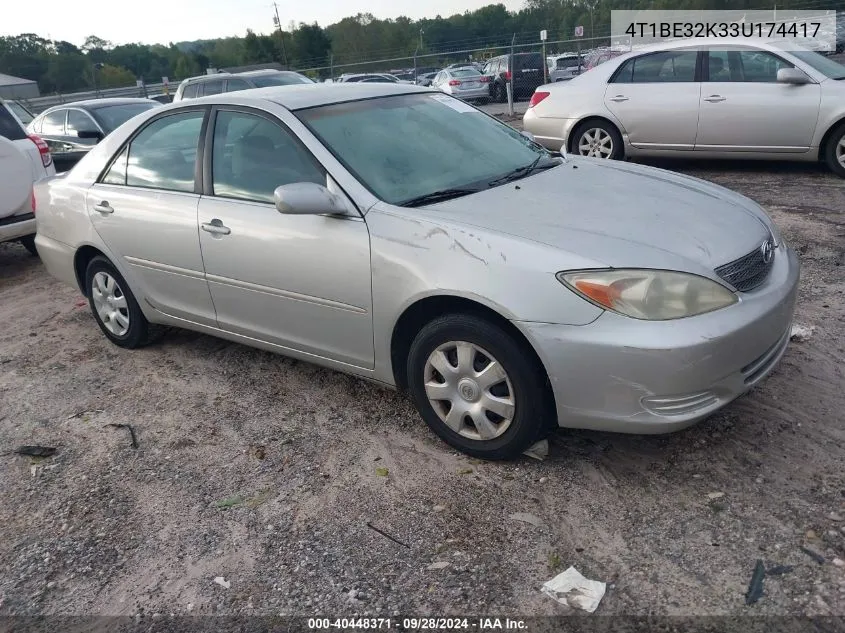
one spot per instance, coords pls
(572, 589)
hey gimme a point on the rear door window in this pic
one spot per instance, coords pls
(54, 123)
(214, 87)
(233, 85)
(533, 61)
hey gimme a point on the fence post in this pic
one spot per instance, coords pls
(416, 50)
(510, 79)
(331, 66)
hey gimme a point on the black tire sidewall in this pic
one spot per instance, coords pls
(527, 379)
(138, 326)
(618, 149)
(830, 151)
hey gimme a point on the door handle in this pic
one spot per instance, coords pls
(215, 227)
(714, 98)
(619, 98)
(103, 207)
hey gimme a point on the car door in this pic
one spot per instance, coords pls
(745, 109)
(655, 96)
(144, 207)
(298, 281)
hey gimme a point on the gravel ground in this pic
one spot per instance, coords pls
(267, 472)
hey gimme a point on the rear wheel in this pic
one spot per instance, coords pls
(29, 244)
(597, 139)
(115, 307)
(834, 151)
(476, 387)
(499, 93)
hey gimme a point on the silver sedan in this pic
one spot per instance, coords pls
(464, 83)
(401, 235)
(700, 99)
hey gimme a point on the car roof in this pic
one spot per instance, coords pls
(93, 104)
(300, 96)
(764, 43)
(265, 71)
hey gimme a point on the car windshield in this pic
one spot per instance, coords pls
(112, 117)
(405, 147)
(279, 79)
(825, 65)
(22, 113)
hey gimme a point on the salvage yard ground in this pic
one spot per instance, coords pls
(266, 471)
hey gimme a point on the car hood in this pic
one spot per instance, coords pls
(619, 215)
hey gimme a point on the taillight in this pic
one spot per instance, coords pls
(537, 97)
(485, 79)
(454, 82)
(43, 149)
(507, 75)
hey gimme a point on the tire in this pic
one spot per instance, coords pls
(515, 427)
(834, 151)
(28, 243)
(500, 95)
(605, 130)
(130, 329)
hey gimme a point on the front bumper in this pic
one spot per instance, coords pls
(631, 376)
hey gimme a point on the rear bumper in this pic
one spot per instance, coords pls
(57, 259)
(473, 93)
(625, 375)
(13, 228)
(550, 132)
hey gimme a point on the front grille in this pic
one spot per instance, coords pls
(749, 271)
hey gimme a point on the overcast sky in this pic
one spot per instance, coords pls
(163, 21)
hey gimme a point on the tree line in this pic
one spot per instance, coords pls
(60, 66)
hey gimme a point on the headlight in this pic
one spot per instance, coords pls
(653, 295)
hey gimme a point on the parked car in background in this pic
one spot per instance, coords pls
(508, 289)
(526, 70)
(565, 66)
(465, 83)
(162, 97)
(426, 79)
(381, 78)
(205, 85)
(24, 160)
(70, 130)
(598, 56)
(700, 98)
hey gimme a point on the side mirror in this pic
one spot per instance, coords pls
(308, 198)
(95, 134)
(792, 76)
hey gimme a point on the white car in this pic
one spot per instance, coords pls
(762, 99)
(24, 160)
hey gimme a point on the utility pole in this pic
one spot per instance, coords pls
(281, 33)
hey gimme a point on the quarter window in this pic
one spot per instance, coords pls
(164, 154)
(252, 156)
(190, 91)
(663, 67)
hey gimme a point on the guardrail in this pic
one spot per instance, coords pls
(39, 104)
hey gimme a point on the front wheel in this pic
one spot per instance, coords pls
(597, 139)
(476, 387)
(115, 308)
(834, 152)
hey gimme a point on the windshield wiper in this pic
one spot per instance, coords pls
(440, 196)
(521, 172)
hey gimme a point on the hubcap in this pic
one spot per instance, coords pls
(469, 390)
(595, 142)
(110, 303)
(840, 151)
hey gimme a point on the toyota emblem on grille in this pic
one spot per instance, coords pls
(767, 250)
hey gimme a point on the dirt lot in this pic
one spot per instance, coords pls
(266, 471)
